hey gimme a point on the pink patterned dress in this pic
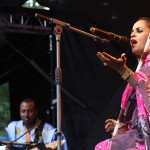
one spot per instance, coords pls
(138, 135)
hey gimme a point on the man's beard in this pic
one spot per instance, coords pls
(29, 122)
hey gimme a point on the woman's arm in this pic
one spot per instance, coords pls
(120, 66)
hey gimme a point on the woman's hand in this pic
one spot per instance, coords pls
(112, 62)
(110, 125)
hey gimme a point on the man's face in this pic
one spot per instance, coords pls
(28, 112)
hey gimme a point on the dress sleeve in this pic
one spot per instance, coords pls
(143, 79)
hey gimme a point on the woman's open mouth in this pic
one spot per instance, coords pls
(133, 42)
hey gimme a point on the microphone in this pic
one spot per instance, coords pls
(112, 36)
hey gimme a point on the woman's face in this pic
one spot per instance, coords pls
(139, 36)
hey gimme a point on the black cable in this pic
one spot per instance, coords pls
(22, 135)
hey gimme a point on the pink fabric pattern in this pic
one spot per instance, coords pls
(143, 104)
(105, 145)
(139, 76)
(140, 147)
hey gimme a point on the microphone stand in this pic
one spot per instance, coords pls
(58, 74)
(58, 81)
(67, 26)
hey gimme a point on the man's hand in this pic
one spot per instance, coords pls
(53, 145)
(8, 147)
(36, 148)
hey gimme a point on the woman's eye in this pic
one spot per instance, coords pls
(139, 30)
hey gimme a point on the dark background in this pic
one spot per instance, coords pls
(90, 92)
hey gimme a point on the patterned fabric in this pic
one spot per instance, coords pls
(143, 102)
(16, 129)
(138, 137)
(105, 144)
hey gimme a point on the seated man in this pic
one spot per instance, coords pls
(30, 129)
